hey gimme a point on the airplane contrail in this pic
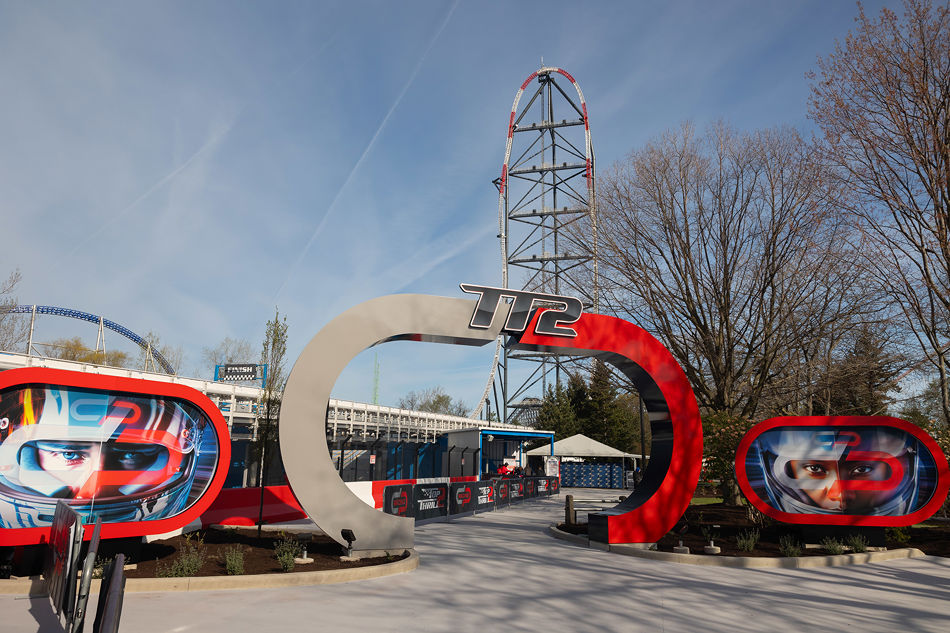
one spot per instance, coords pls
(366, 151)
(212, 142)
(217, 138)
(447, 254)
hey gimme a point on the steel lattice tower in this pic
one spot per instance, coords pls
(546, 224)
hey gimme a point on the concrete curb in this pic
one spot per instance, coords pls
(799, 562)
(34, 586)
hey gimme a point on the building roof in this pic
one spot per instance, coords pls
(579, 446)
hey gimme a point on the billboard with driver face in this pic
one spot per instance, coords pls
(143, 456)
(842, 470)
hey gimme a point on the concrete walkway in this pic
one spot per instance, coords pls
(499, 572)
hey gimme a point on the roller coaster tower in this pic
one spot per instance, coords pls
(547, 225)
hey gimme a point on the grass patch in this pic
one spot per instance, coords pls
(702, 501)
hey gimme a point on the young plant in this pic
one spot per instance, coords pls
(190, 559)
(710, 533)
(286, 550)
(832, 545)
(857, 542)
(100, 567)
(789, 546)
(746, 541)
(234, 560)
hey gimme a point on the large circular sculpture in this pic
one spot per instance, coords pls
(645, 516)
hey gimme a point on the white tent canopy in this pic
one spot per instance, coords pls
(579, 446)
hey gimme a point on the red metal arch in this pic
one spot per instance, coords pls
(677, 446)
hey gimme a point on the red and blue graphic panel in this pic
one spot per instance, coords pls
(146, 457)
(866, 471)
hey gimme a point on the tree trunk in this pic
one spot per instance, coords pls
(731, 494)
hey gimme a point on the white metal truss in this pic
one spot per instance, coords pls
(547, 224)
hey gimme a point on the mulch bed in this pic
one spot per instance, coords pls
(259, 557)
(728, 522)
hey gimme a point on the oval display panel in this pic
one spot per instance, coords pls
(873, 471)
(142, 456)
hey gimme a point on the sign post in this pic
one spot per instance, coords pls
(237, 372)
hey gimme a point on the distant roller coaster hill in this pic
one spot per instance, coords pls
(101, 322)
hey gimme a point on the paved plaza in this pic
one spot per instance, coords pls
(500, 572)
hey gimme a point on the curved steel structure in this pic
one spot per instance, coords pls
(102, 322)
(643, 517)
(547, 223)
(304, 407)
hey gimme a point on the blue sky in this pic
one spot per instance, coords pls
(183, 167)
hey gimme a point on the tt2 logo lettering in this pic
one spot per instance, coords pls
(554, 318)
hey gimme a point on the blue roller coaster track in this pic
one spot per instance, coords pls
(92, 318)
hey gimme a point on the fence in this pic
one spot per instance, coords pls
(426, 501)
(585, 475)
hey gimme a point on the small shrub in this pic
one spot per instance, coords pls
(191, 557)
(234, 560)
(748, 540)
(900, 535)
(832, 545)
(286, 550)
(789, 546)
(857, 542)
(710, 533)
(286, 561)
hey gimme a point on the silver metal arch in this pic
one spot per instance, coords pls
(303, 413)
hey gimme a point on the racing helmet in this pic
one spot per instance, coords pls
(121, 458)
(775, 449)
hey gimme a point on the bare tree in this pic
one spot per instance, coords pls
(13, 328)
(229, 350)
(882, 101)
(846, 303)
(172, 354)
(433, 400)
(727, 247)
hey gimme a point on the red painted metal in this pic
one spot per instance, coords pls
(655, 516)
(240, 506)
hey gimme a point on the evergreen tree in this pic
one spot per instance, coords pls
(862, 380)
(604, 418)
(557, 413)
(593, 408)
